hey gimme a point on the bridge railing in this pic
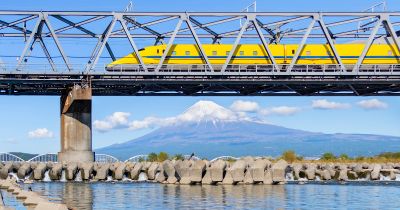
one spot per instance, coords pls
(49, 157)
(7, 157)
(202, 69)
(104, 158)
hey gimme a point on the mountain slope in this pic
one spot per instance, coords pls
(210, 130)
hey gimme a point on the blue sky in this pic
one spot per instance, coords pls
(21, 116)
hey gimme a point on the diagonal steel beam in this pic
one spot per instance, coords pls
(367, 45)
(132, 43)
(198, 43)
(58, 44)
(146, 24)
(47, 53)
(75, 25)
(198, 24)
(169, 45)
(207, 25)
(134, 22)
(389, 28)
(79, 27)
(301, 46)
(265, 44)
(29, 41)
(328, 37)
(13, 24)
(235, 44)
(100, 45)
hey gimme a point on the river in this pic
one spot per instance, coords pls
(107, 195)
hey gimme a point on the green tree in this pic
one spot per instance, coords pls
(328, 156)
(390, 155)
(152, 157)
(178, 157)
(162, 156)
(344, 157)
(289, 155)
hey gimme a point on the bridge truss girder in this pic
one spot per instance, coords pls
(199, 30)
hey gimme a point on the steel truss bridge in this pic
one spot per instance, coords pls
(31, 28)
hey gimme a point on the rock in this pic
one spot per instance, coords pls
(134, 173)
(56, 171)
(310, 171)
(102, 170)
(358, 168)
(297, 167)
(50, 206)
(33, 200)
(392, 175)
(352, 175)
(207, 178)
(267, 177)
(376, 172)
(217, 169)
(86, 169)
(38, 172)
(257, 169)
(325, 175)
(197, 170)
(228, 179)
(343, 173)
(161, 177)
(24, 170)
(152, 171)
(238, 169)
(71, 170)
(170, 171)
(248, 178)
(279, 171)
(146, 166)
(24, 194)
(118, 170)
(182, 169)
(7, 168)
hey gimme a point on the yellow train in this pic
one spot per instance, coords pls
(252, 54)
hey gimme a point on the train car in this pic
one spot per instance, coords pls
(255, 54)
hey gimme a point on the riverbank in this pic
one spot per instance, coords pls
(246, 170)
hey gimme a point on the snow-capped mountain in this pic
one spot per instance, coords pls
(210, 130)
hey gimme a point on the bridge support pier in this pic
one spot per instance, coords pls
(76, 125)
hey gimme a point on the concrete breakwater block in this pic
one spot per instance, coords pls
(279, 171)
(55, 171)
(24, 170)
(217, 170)
(102, 170)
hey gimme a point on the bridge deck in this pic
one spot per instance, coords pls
(301, 81)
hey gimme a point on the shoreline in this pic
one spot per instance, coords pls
(247, 170)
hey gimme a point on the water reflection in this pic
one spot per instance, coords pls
(90, 196)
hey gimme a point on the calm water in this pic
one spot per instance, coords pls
(157, 196)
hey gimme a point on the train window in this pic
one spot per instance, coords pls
(158, 51)
(293, 52)
(390, 53)
(187, 52)
(308, 52)
(227, 52)
(241, 52)
(214, 52)
(255, 53)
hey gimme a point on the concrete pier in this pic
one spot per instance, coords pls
(76, 125)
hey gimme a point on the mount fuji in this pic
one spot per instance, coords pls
(210, 130)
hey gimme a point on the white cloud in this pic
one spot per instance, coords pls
(116, 120)
(281, 110)
(245, 106)
(372, 104)
(325, 104)
(40, 133)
